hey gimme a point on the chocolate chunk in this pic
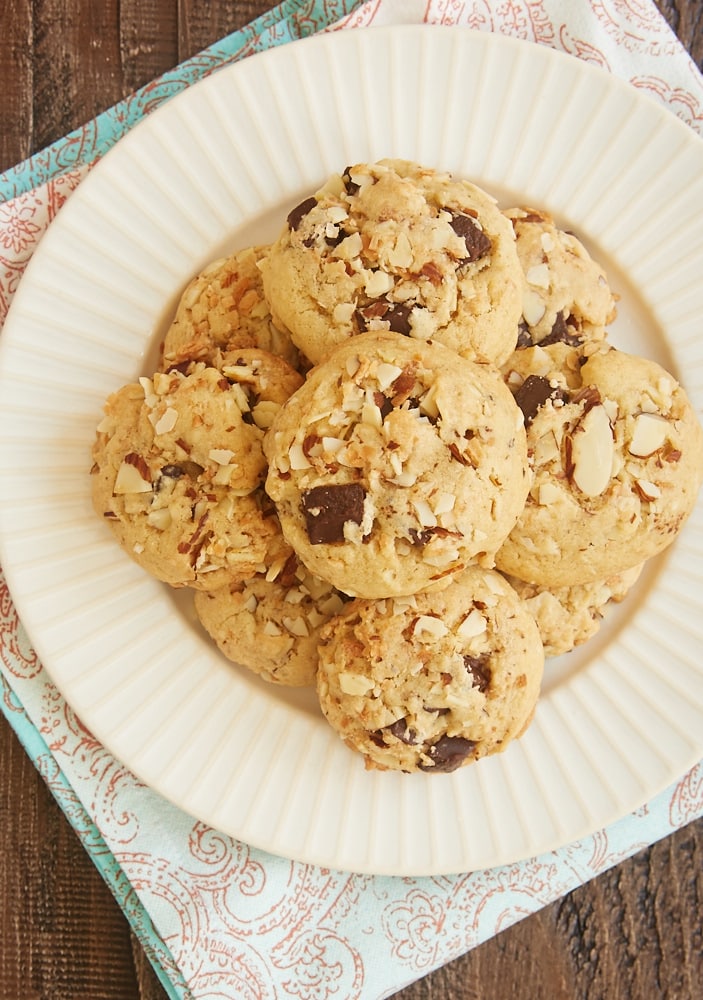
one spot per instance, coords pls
(420, 537)
(562, 332)
(172, 471)
(328, 508)
(448, 753)
(182, 367)
(400, 730)
(478, 244)
(398, 317)
(334, 241)
(524, 337)
(534, 393)
(297, 214)
(396, 314)
(478, 667)
(349, 186)
(384, 404)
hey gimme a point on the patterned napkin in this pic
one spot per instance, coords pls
(217, 917)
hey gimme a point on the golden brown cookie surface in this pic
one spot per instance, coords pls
(223, 307)
(617, 462)
(433, 682)
(396, 464)
(179, 468)
(393, 245)
(567, 296)
(270, 623)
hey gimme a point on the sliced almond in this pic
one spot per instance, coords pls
(649, 434)
(343, 312)
(297, 457)
(533, 307)
(427, 626)
(272, 629)
(377, 283)
(444, 503)
(221, 456)
(296, 626)
(538, 275)
(132, 476)
(592, 449)
(159, 518)
(548, 493)
(401, 256)
(648, 491)
(474, 624)
(166, 422)
(386, 374)
(425, 514)
(223, 475)
(332, 605)
(350, 247)
(355, 684)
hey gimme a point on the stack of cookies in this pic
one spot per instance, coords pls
(395, 456)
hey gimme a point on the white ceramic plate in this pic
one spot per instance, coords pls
(214, 170)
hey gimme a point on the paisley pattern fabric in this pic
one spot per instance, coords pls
(217, 917)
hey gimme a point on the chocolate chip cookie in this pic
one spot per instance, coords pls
(179, 468)
(617, 462)
(223, 307)
(270, 624)
(567, 296)
(568, 616)
(396, 246)
(396, 464)
(435, 681)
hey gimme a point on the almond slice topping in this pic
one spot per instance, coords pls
(649, 434)
(592, 451)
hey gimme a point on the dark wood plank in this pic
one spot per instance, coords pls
(76, 65)
(202, 22)
(686, 19)
(62, 935)
(16, 81)
(632, 933)
(149, 40)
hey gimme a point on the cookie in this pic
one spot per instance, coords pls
(435, 681)
(179, 469)
(224, 307)
(617, 462)
(396, 464)
(270, 623)
(568, 616)
(567, 296)
(393, 245)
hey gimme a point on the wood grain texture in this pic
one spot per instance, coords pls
(16, 81)
(685, 17)
(62, 935)
(634, 932)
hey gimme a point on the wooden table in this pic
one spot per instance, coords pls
(632, 933)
